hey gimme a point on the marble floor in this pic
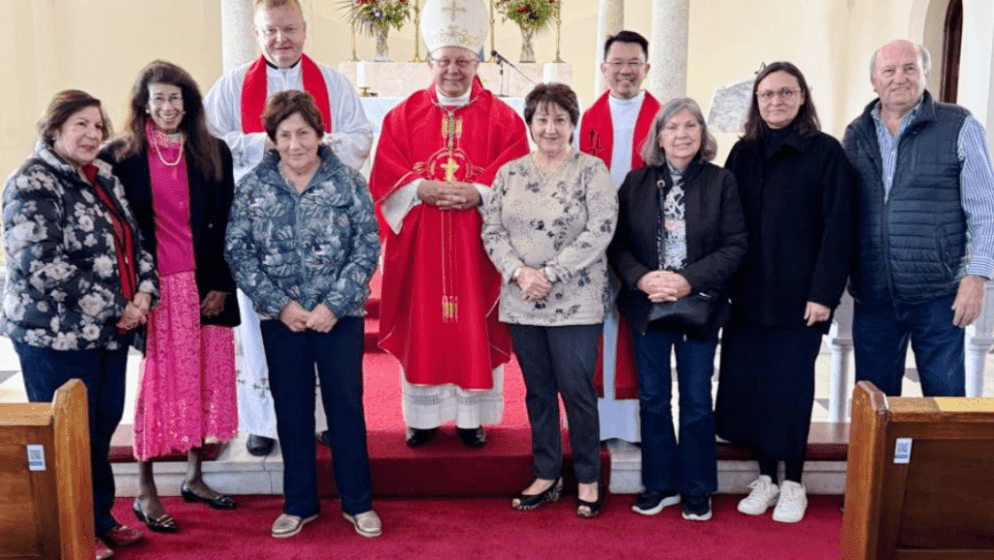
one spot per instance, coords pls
(237, 472)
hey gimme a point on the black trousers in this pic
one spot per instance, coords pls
(561, 361)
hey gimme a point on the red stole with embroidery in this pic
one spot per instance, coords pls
(254, 93)
(597, 132)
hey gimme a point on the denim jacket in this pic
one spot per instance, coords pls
(63, 287)
(320, 246)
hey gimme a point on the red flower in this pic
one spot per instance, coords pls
(525, 9)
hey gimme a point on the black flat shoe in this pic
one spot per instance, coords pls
(473, 437)
(593, 508)
(222, 501)
(525, 502)
(417, 437)
(260, 446)
(162, 524)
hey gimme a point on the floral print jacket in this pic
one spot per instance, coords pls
(63, 287)
(320, 246)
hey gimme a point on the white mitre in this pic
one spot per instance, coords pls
(454, 23)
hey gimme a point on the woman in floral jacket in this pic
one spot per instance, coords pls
(78, 280)
(303, 243)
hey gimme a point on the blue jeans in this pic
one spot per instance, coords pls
(103, 373)
(881, 332)
(292, 357)
(689, 467)
(561, 361)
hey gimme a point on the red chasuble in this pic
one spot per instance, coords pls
(255, 93)
(597, 139)
(438, 315)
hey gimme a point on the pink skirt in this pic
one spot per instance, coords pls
(186, 391)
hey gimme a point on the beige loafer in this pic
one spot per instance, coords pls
(367, 523)
(287, 525)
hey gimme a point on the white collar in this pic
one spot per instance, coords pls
(458, 101)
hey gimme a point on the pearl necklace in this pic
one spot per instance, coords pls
(158, 152)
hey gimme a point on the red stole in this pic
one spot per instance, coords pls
(597, 139)
(597, 133)
(254, 93)
(438, 315)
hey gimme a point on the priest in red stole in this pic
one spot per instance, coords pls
(439, 150)
(234, 107)
(613, 129)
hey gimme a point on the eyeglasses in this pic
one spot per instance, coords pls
(460, 63)
(619, 64)
(175, 100)
(786, 94)
(289, 31)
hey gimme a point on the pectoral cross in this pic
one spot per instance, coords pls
(453, 7)
(450, 170)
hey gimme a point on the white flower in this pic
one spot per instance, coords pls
(90, 240)
(92, 304)
(91, 332)
(65, 341)
(85, 222)
(104, 266)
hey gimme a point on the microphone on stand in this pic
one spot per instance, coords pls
(501, 60)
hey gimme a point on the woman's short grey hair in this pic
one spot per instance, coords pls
(652, 154)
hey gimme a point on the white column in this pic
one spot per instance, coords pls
(979, 339)
(841, 346)
(237, 43)
(610, 20)
(668, 49)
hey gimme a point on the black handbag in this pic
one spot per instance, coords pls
(692, 315)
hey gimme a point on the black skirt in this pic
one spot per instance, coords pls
(766, 388)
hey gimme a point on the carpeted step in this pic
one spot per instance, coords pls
(371, 335)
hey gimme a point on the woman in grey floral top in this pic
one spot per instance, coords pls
(78, 281)
(546, 228)
(303, 243)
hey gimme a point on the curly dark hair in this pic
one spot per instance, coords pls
(202, 150)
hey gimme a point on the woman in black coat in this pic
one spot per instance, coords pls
(178, 178)
(680, 233)
(796, 187)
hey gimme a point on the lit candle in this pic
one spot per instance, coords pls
(362, 74)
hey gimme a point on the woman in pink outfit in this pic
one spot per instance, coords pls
(178, 179)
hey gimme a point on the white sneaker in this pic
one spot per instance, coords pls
(763, 495)
(792, 503)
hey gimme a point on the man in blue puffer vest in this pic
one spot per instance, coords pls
(925, 227)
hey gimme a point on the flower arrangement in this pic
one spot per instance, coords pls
(377, 15)
(529, 13)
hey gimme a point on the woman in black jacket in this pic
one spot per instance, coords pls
(796, 189)
(680, 233)
(178, 178)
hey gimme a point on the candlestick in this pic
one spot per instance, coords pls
(559, 22)
(492, 47)
(417, 29)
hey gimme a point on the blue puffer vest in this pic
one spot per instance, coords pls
(911, 247)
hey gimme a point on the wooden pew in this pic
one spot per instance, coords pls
(920, 478)
(46, 513)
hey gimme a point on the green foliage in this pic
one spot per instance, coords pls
(370, 16)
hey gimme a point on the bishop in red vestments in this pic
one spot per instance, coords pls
(438, 152)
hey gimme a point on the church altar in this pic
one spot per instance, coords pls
(400, 79)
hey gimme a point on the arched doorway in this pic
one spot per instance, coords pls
(952, 40)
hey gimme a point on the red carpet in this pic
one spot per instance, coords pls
(484, 528)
